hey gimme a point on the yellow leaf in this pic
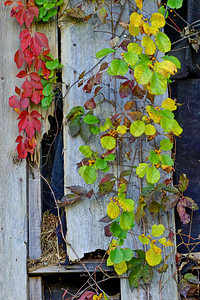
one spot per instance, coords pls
(164, 242)
(142, 74)
(139, 4)
(155, 118)
(157, 230)
(95, 297)
(152, 258)
(143, 239)
(134, 31)
(150, 129)
(150, 46)
(169, 104)
(121, 268)
(134, 47)
(113, 210)
(122, 129)
(150, 30)
(136, 19)
(165, 68)
(157, 20)
(156, 249)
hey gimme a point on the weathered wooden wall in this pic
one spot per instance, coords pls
(13, 212)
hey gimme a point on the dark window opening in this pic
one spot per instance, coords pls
(55, 286)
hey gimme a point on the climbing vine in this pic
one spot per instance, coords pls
(144, 71)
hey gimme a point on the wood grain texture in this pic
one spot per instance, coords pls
(13, 212)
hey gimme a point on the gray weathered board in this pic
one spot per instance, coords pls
(79, 44)
(13, 212)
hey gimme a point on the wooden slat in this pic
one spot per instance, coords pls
(75, 268)
(13, 223)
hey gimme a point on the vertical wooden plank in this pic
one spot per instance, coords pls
(79, 43)
(34, 187)
(13, 222)
(84, 232)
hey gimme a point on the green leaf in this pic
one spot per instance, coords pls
(166, 145)
(89, 174)
(42, 12)
(163, 42)
(108, 142)
(104, 52)
(175, 3)
(90, 119)
(52, 12)
(142, 169)
(95, 130)
(116, 256)
(154, 158)
(46, 101)
(86, 151)
(142, 74)
(183, 182)
(158, 230)
(166, 124)
(166, 160)
(115, 229)
(47, 90)
(106, 187)
(74, 126)
(153, 175)
(75, 111)
(118, 67)
(147, 274)
(176, 128)
(85, 132)
(137, 128)
(173, 59)
(48, 5)
(162, 12)
(110, 157)
(101, 163)
(135, 276)
(40, 2)
(127, 254)
(52, 64)
(143, 239)
(158, 84)
(131, 58)
(191, 278)
(126, 220)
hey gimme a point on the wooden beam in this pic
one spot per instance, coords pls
(13, 212)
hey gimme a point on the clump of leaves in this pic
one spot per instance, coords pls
(47, 9)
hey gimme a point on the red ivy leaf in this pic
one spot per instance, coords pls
(28, 57)
(34, 76)
(21, 74)
(24, 33)
(87, 296)
(138, 92)
(8, 3)
(126, 88)
(17, 90)
(19, 59)
(25, 145)
(90, 104)
(42, 39)
(35, 46)
(29, 122)
(14, 102)
(35, 97)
